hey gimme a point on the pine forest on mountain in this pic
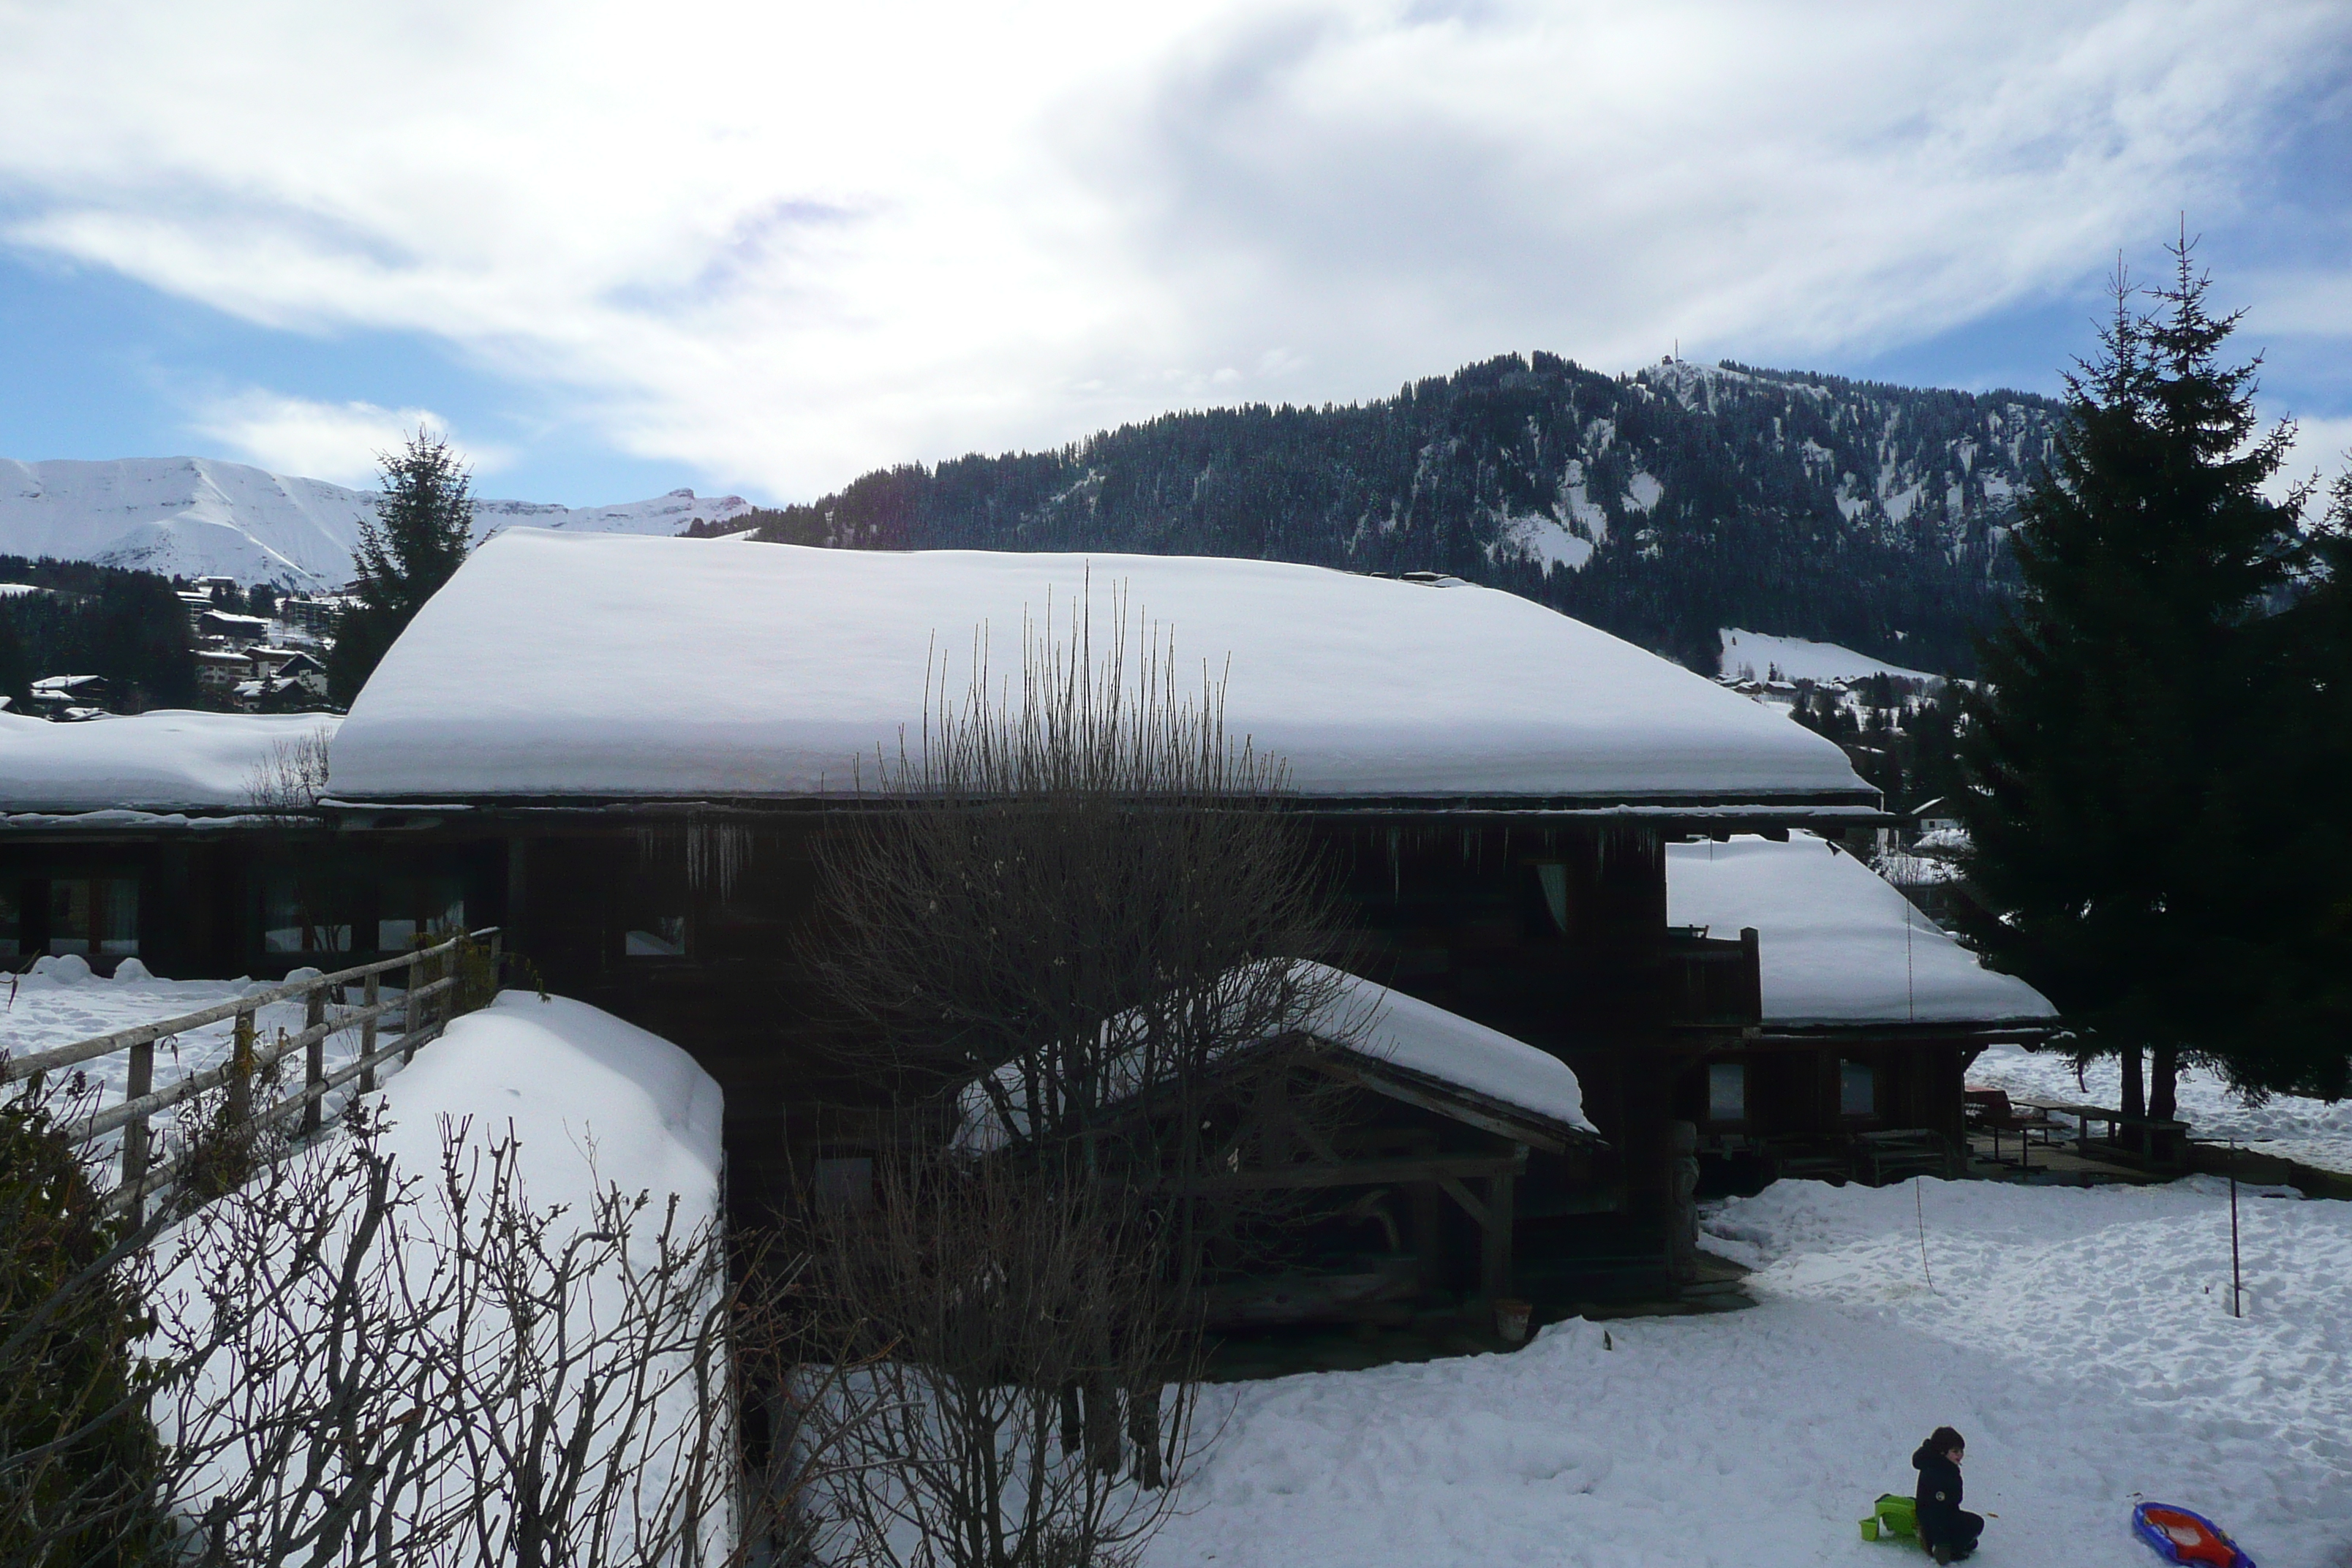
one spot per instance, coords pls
(1663, 506)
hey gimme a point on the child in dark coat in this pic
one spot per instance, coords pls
(1946, 1529)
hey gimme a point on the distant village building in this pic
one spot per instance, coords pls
(69, 696)
(236, 630)
(197, 605)
(1937, 816)
(219, 670)
(314, 614)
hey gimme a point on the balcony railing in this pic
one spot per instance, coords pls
(1712, 982)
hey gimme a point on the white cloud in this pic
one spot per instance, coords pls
(335, 441)
(787, 244)
(2323, 450)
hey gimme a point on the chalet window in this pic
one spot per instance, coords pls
(293, 922)
(1726, 1091)
(12, 923)
(419, 910)
(663, 937)
(94, 916)
(1857, 1089)
(845, 1183)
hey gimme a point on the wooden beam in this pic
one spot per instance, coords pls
(1453, 1105)
(1440, 1169)
(1452, 1188)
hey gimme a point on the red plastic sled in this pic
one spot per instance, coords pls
(2177, 1535)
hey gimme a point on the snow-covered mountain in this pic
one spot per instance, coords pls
(1659, 506)
(195, 517)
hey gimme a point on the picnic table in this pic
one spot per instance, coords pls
(2115, 1121)
(1990, 1110)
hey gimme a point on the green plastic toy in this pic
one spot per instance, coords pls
(1894, 1518)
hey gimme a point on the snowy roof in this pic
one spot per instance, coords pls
(604, 648)
(1837, 943)
(1387, 1029)
(1403, 1031)
(166, 760)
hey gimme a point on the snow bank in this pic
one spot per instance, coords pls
(1754, 655)
(675, 668)
(592, 1100)
(169, 760)
(1837, 943)
(591, 1103)
(2070, 1337)
(2311, 1132)
(572, 1082)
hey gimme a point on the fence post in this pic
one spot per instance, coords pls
(314, 1062)
(408, 1020)
(134, 1135)
(367, 1038)
(240, 1072)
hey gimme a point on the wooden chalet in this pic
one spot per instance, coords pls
(1500, 790)
(1864, 1017)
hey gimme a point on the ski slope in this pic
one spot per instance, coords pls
(1754, 655)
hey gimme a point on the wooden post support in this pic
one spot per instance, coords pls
(314, 1062)
(410, 1014)
(1494, 1255)
(367, 1038)
(240, 1076)
(497, 960)
(135, 1146)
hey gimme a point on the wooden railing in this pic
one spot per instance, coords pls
(1714, 983)
(425, 1004)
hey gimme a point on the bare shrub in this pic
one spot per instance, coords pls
(1079, 893)
(80, 1463)
(336, 1361)
(291, 778)
(1015, 1382)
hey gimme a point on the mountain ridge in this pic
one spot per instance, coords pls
(193, 517)
(1662, 505)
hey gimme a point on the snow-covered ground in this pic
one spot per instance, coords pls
(2079, 1339)
(1754, 655)
(562, 1073)
(2288, 1126)
(65, 1004)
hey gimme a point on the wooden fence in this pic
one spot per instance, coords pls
(427, 1003)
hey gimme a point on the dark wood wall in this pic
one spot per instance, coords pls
(1554, 935)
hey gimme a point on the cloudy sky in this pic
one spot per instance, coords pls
(615, 248)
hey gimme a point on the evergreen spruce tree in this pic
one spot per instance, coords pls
(2123, 807)
(2299, 1036)
(419, 538)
